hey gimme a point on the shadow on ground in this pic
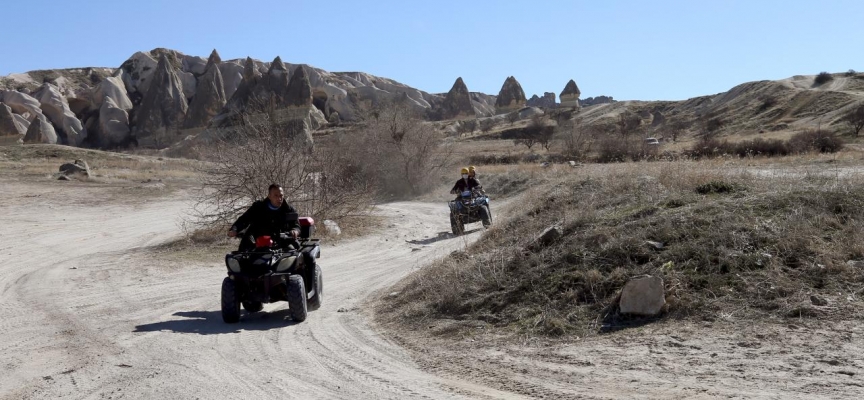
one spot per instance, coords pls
(439, 237)
(210, 322)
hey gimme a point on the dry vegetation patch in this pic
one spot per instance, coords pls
(730, 244)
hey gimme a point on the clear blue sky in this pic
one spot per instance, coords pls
(645, 50)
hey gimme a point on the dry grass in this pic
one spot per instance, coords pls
(753, 244)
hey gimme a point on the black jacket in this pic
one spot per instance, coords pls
(465, 184)
(262, 221)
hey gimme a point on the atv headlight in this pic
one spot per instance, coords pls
(232, 263)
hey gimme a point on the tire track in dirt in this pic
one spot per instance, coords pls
(120, 323)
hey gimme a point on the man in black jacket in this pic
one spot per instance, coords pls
(465, 183)
(266, 217)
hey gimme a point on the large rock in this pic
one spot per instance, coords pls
(21, 103)
(644, 296)
(138, 71)
(54, 105)
(591, 101)
(511, 97)
(9, 124)
(232, 75)
(570, 95)
(40, 131)
(457, 102)
(299, 89)
(547, 101)
(190, 84)
(209, 97)
(79, 167)
(113, 125)
(163, 109)
(111, 87)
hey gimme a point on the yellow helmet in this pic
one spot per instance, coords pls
(472, 168)
(464, 171)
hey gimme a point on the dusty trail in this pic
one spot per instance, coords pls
(86, 315)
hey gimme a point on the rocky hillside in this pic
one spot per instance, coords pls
(790, 104)
(156, 98)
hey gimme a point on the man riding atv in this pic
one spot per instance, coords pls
(465, 183)
(276, 260)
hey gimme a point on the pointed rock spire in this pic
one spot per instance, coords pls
(511, 97)
(299, 89)
(457, 103)
(277, 65)
(210, 96)
(213, 59)
(249, 70)
(163, 108)
(570, 95)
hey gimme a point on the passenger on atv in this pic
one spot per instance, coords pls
(466, 183)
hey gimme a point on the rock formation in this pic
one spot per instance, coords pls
(457, 102)
(209, 97)
(596, 100)
(299, 89)
(11, 124)
(570, 95)
(163, 108)
(68, 127)
(111, 87)
(511, 97)
(113, 125)
(21, 103)
(40, 131)
(547, 101)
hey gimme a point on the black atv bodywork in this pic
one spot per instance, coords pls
(469, 207)
(287, 271)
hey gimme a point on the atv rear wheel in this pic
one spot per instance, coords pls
(456, 225)
(485, 216)
(297, 298)
(318, 285)
(230, 301)
(252, 306)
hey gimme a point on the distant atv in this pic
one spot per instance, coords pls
(471, 206)
(278, 269)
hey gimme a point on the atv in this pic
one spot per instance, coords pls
(279, 268)
(471, 206)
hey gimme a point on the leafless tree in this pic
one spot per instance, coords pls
(628, 124)
(855, 119)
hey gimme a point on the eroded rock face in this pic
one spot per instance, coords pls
(111, 87)
(163, 108)
(9, 125)
(547, 101)
(21, 103)
(113, 125)
(570, 95)
(40, 131)
(210, 96)
(299, 89)
(68, 127)
(457, 102)
(511, 97)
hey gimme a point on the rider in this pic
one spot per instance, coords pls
(465, 183)
(266, 217)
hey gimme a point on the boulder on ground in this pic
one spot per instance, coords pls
(550, 235)
(79, 167)
(644, 296)
(40, 131)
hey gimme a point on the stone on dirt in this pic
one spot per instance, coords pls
(643, 296)
(78, 167)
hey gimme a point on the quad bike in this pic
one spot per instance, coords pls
(471, 206)
(279, 268)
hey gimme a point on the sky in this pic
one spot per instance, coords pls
(628, 49)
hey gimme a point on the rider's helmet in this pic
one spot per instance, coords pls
(464, 171)
(472, 170)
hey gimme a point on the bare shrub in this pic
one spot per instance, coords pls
(486, 125)
(628, 124)
(467, 126)
(576, 139)
(815, 140)
(850, 73)
(397, 151)
(537, 132)
(823, 78)
(855, 119)
(246, 158)
(512, 117)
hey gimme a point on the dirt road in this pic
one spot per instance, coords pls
(87, 314)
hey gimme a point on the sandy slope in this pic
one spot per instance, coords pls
(87, 315)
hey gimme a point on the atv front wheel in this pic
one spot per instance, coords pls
(297, 298)
(252, 306)
(230, 301)
(318, 286)
(485, 216)
(456, 225)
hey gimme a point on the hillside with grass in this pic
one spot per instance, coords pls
(742, 240)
